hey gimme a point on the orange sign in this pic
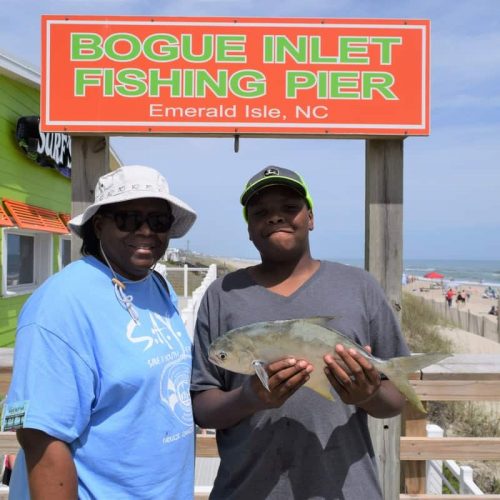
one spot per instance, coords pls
(235, 76)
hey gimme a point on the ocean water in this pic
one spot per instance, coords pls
(486, 272)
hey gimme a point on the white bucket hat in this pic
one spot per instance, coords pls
(131, 183)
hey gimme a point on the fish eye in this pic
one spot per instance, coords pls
(222, 355)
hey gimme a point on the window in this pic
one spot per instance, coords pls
(64, 251)
(20, 263)
(27, 259)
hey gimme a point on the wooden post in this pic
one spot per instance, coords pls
(413, 477)
(89, 160)
(384, 259)
(384, 216)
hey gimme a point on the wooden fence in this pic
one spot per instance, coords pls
(463, 377)
(483, 325)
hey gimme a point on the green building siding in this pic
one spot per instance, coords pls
(9, 311)
(22, 179)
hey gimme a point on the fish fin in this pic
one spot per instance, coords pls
(260, 371)
(404, 386)
(320, 384)
(315, 320)
(397, 370)
(410, 364)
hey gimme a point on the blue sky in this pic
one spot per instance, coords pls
(451, 178)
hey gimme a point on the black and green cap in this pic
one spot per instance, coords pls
(275, 176)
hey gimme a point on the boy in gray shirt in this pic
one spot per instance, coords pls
(291, 443)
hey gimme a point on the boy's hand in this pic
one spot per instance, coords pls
(285, 377)
(352, 376)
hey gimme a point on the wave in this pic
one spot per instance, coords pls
(480, 272)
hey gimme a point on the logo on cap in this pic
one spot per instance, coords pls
(271, 171)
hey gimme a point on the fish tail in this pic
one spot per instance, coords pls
(397, 370)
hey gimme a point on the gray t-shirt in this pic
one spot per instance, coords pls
(310, 448)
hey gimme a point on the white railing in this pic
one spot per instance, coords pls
(190, 310)
(189, 305)
(185, 269)
(436, 477)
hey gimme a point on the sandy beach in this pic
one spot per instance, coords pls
(476, 302)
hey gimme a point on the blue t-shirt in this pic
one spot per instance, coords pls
(115, 390)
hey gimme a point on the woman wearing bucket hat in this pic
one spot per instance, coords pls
(102, 362)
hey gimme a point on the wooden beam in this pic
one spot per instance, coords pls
(450, 448)
(385, 438)
(89, 160)
(448, 497)
(5, 377)
(206, 447)
(457, 390)
(384, 259)
(465, 367)
(8, 443)
(384, 216)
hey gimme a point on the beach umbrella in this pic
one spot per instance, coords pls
(433, 275)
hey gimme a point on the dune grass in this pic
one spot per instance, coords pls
(420, 324)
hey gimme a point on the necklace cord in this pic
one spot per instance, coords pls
(119, 286)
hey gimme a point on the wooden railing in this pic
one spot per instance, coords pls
(464, 377)
(458, 378)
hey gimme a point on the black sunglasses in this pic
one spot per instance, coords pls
(132, 221)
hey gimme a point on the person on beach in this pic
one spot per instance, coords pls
(460, 298)
(449, 296)
(102, 360)
(290, 442)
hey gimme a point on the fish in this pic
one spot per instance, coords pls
(248, 349)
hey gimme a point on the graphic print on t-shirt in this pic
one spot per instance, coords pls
(174, 389)
(176, 371)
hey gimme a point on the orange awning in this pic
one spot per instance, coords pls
(65, 218)
(4, 218)
(30, 217)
